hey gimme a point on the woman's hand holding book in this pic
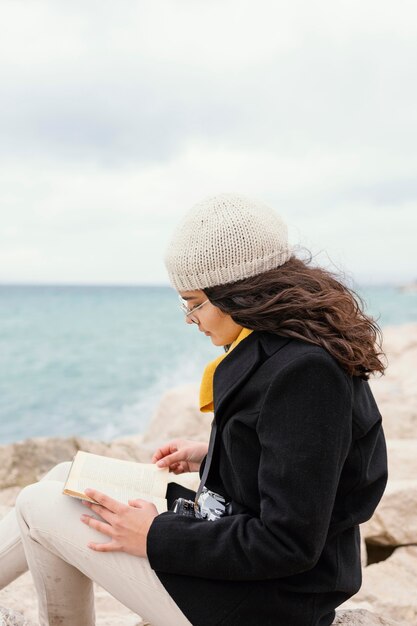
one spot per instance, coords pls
(126, 525)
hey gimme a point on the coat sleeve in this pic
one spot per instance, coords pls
(304, 430)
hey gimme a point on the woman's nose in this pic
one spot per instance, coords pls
(188, 320)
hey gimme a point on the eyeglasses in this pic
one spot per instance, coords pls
(187, 312)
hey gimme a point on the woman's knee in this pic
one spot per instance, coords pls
(36, 504)
(52, 518)
(27, 498)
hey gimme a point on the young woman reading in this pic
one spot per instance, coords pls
(296, 461)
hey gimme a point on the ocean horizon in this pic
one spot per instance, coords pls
(94, 360)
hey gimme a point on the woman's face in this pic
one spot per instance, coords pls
(219, 326)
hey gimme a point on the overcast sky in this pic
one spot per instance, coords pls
(115, 117)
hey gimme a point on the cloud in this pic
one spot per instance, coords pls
(137, 81)
(93, 225)
(116, 118)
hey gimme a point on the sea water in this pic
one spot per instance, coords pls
(95, 361)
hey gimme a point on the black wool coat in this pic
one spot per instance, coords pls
(300, 452)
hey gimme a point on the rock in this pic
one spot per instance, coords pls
(129, 450)
(389, 587)
(20, 597)
(362, 617)
(8, 617)
(399, 415)
(8, 496)
(27, 461)
(402, 459)
(178, 415)
(394, 522)
(399, 340)
(364, 551)
(353, 618)
(396, 392)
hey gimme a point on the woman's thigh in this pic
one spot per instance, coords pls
(54, 521)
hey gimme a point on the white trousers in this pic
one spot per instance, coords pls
(44, 533)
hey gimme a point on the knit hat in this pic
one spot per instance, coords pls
(224, 239)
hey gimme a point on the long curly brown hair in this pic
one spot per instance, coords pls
(305, 302)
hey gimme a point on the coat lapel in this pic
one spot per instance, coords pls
(240, 364)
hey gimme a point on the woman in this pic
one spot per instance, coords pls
(297, 452)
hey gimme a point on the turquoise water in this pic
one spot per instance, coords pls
(94, 361)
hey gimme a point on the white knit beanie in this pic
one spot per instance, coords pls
(223, 239)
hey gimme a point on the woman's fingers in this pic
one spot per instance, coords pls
(107, 515)
(158, 454)
(180, 455)
(102, 527)
(111, 546)
(170, 459)
(163, 451)
(105, 501)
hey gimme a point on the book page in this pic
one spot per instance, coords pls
(119, 479)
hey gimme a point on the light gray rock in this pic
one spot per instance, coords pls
(364, 551)
(352, 618)
(27, 461)
(394, 522)
(20, 598)
(402, 459)
(389, 587)
(8, 496)
(128, 449)
(8, 617)
(361, 617)
(396, 392)
(178, 415)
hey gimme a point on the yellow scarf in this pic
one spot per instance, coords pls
(206, 387)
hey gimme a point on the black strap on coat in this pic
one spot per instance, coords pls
(208, 461)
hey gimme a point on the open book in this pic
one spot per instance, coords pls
(121, 480)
